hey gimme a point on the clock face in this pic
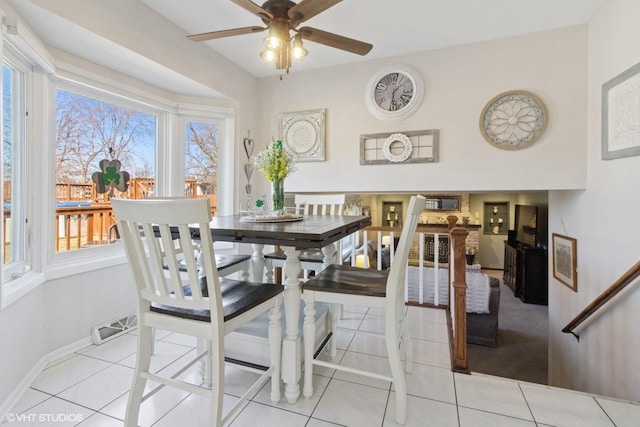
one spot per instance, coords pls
(394, 91)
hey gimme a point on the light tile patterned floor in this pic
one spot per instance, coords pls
(91, 389)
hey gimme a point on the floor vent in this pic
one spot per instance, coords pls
(115, 328)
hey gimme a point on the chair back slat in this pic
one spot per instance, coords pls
(320, 204)
(157, 255)
(397, 272)
(157, 238)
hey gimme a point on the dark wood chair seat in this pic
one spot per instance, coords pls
(222, 262)
(306, 255)
(237, 297)
(228, 260)
(346, 279)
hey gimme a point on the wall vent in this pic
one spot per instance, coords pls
(114, 328)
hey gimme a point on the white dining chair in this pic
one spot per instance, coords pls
(227, 264)
(158, 233)
(341, 284)
(310, 259)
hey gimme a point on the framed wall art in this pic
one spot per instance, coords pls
(565, 260)
(420, 146)
(303, 134)
(621, 115)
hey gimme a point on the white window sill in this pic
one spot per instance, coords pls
(78, 262)
(16, 289)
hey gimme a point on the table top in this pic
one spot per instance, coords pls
(314, 231)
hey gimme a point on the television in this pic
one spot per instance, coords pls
(526, 224)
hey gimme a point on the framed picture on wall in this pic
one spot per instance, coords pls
(565, 260)
(620, 112)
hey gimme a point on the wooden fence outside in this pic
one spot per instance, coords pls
(84, 217)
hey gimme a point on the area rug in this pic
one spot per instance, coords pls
(522, 349)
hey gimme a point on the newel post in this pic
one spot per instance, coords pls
(458, 236)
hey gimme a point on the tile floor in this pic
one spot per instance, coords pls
(91, 387)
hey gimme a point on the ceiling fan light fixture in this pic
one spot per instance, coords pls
(278, 35)
(283, 59)
(268, 55)
(297, 50)
(282, 18)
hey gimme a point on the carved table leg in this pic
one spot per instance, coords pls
(257, 262)
(291, 346)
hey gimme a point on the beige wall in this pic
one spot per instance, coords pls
(459, 82)
(603, 219)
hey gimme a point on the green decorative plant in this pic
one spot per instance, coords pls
(275, 164)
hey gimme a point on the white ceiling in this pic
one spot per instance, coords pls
(394, 27)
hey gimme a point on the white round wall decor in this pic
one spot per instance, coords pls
(513, 120)
(388, 146)
(394, 93)
(303, 134)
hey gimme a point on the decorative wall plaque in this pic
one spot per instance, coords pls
(302, 134)
(420, 146)
(513, 120)
(621, 115)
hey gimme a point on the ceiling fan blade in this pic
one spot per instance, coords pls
(307, 9)
(225, 33)
(334, 40)
(254, 8)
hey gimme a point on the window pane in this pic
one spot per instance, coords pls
(13, 165)
(88, 131)
(202, 141)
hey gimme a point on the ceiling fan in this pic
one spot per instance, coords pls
(282, 18)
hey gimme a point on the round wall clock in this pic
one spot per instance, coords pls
(394, 93)
(513, 120)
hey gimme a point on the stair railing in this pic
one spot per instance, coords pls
(626, 279)
(458, 295)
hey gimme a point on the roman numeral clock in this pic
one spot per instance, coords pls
(394, 93)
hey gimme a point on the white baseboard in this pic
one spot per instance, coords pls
(44, 362)
(22, 387)
(64, 353)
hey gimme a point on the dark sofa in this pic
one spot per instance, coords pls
(482, 329)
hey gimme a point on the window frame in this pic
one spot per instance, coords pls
(48, 74)
(59, 264)
(226, 154)
(21, 95)
(29, 275)
(169, 173)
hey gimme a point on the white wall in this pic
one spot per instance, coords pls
(23, 337)
(62, 311)
(459, 82)
(603, 219)
(75, 304)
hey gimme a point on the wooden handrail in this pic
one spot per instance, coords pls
(458, 304)
(629, 276)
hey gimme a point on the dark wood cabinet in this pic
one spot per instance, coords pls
(525, 272)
